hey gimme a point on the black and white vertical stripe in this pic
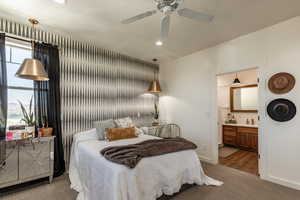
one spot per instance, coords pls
(96, 84)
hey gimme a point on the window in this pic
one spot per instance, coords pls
(18, 89)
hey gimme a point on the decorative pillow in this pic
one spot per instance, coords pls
(138, 131)
(127, 122)
(124, 122)
(101, 126)
(113, 134)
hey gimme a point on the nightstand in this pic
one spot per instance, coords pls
(25, 160)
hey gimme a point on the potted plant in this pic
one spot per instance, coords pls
(28, 117)
(46, 131)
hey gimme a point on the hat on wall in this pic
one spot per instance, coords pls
(281, 110)
(281, 83)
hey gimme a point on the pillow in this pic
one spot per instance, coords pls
(138, 131)
(124, 122)
(113, 134)
(144, 130)
(127, 122)
(85, 135)
(101, 126)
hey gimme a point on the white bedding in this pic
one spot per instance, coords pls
(96, 178)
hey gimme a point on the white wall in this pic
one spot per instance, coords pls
(188, 99)
(191, 93)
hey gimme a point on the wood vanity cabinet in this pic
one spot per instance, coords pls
(241, 137)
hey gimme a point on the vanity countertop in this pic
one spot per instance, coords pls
(242, 125)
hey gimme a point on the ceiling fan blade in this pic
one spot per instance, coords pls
(138, 17)
(195, 15)
(165, 27)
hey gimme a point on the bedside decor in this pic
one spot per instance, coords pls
(155, 88)
(281, 83)
(155, 115)
(281, 110)
(28, 117)
(45, 131)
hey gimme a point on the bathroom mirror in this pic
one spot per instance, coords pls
(244, 98)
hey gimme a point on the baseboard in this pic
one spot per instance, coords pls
(283, 182)
(207, 160)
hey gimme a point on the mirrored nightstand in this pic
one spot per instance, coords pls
(25, 160)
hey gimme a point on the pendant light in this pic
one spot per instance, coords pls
(31, 68)
(236, 81)
(154, 87)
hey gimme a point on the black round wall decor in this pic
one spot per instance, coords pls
(281, 110)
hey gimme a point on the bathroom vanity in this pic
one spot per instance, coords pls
(241, 136)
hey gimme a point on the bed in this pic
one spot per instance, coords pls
(96, 178)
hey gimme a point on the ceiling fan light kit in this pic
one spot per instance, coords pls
(168, 7)
(60, 1)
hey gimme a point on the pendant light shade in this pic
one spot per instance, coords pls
(236, 81)
(32, 69)
(154, 87)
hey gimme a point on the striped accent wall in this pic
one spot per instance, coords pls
(96, 84)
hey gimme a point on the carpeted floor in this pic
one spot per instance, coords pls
(238, 186)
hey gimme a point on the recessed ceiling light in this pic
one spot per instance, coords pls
(159, 43)
(60, 1)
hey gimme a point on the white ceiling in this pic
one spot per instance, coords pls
(98, 22)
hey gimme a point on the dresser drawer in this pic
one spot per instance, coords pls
(229, 128)
(231, 140)
(229, 133)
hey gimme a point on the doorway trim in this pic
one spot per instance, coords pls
(262, 144)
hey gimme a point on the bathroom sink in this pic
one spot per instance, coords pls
(243, 125)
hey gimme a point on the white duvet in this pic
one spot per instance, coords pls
(96, 178)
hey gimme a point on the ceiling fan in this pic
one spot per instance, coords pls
(168, 7)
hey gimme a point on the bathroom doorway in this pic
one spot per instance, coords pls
(237, 96)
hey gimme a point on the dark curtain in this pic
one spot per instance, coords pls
(3, 87)
(47, 99)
